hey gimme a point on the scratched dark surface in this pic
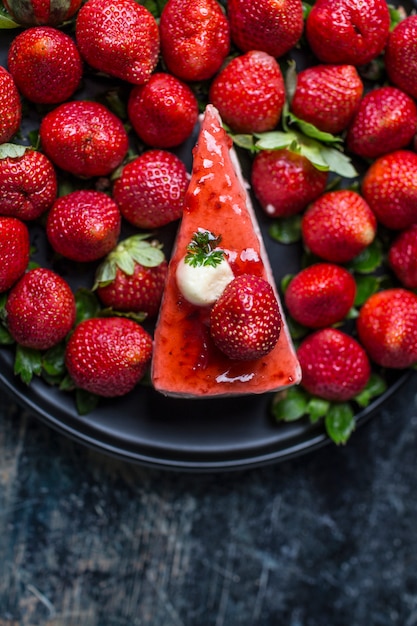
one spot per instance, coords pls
(328, 539)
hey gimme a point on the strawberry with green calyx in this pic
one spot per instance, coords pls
(119, 351)
(14, 251)
(195, 38)
(45, 64)
(10, 106)
(34, 13)
(132, 277)
(245, 321)
(204, 272)
(28, 182)
(125, 46)
(385, 121)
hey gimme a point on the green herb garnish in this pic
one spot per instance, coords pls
(202, 249)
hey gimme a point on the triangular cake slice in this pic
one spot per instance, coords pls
(186, 363)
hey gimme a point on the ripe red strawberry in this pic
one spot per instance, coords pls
(245, 322)
(387, 327)
(274, 27)
(133, 275)
(195, 38)
(150, 191)
(118, 37)
(249, 93)
(45, 64)
(401, 55)
(28, 183)
(390, 188)
(385, 121)
(84, 138)
(36, 12)
(14, 251)
(327, 96)
(108, 356)
(320, 295)
(334, 365)
(163, 112)
(402, 257)
(10, 106)
(84, 225)
(338, 226)
(348, 31)
(285, 182)
(40, 309)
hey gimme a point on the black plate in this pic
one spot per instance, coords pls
(147, 428)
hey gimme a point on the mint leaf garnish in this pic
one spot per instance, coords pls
(202, 249)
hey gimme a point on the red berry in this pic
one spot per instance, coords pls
(249, 93)
(10, 106)
(195, 38)
(320, 295)
(40, 309)
(245, 322)
(108, 356)
(387, 327)
(36, 12)
(334, 365)
(402, 257)
(338, 226)
(150, 191)
(28, 184)
(14, 251)
(84, 225)
(163, 112)
(118, 37)
(45, 64)
(285, 182)
(401, 55)
(84, 138)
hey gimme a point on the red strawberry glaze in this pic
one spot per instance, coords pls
(185, 361)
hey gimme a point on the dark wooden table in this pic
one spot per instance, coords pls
(327, 539)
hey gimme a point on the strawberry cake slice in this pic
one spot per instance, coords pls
(221, 330)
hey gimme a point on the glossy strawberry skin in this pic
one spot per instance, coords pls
(195, 38)
(150, 191)
(401, 56)
(387, 327)
(390, 188)
(285, 182)
(265, 25)
(402, 257)
(84, 225)
(45, 64)
(118, 37)
(245, 322)
(28, 185)
(84, 138)
(14, 251)
(40, 309)
(320, 295)
(386, 120)
(108, 356)
(10, 106)
(338, 226)
(334, 365)
(327, 96)
(163, 112)
(348, 31)
(249, 93)
(140, 293)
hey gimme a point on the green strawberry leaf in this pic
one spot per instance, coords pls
(397, 15)
(244, 141)
(85, 401)
(365, 287)
(53, 361)
(375, 387)
(6, 20)
(5, 337)
(277, 140)
(312, 131)
(12, 150)
(369, 259)
(154, 6)
(28, 362)
(317, 409)
(87, 305)
(289, 405)
(286, 230)
(338, 162)
(136, 317)
(340, 422)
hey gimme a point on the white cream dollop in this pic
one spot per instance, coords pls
(203, 285)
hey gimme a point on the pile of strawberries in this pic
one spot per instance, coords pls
(323, 98)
